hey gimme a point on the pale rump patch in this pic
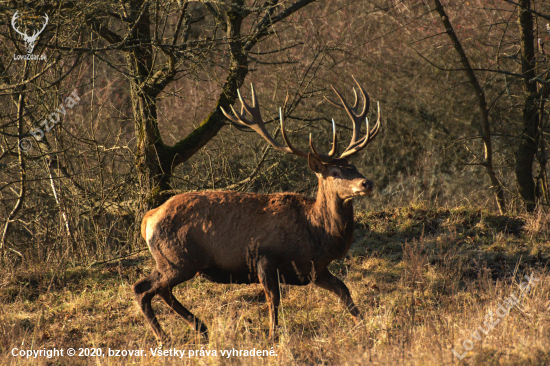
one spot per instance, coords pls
(150, 228)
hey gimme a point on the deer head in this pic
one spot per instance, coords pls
(341, 177)
(30, 40)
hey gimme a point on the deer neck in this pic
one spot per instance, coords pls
(331, 213)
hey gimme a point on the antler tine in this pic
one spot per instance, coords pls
(352, 110)
(46, 18)
(366, 98)
(239, 117)
(37, 32)
(258, 125)
(343, 105)
(14, 26)
(323, 157)
(361, 144)
(353, 148)
(244, 105)
(334, 141)
(356, 144)
(336, 104)
(291, 147)
(254, 97)
(230, 117)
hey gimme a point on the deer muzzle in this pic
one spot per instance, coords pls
(365, 187)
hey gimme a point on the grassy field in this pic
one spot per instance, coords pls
(425, 279)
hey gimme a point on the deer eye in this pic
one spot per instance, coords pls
(335, 174)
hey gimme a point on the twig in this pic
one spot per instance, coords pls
(95, 264)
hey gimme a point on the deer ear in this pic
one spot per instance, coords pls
(315, 163)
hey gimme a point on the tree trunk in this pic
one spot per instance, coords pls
(485, 126)
(527, 149)
(154, 159)
(152, 156)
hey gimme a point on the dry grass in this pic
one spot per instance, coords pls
(424, 278)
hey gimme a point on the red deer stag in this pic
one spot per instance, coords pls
(231, 237)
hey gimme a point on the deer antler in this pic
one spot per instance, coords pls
(46, 19)
(357, 145)
(258, 125)
(14, 26)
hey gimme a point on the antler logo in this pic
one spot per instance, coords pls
(30, 40)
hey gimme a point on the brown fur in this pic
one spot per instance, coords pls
(231, 237)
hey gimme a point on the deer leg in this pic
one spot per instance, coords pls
(268, 279)
(330, 282)
(144, 290)
(168, 297)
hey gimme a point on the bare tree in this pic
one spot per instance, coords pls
(485, 125)
(156, 54)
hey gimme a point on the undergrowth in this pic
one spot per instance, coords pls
(425, 279)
